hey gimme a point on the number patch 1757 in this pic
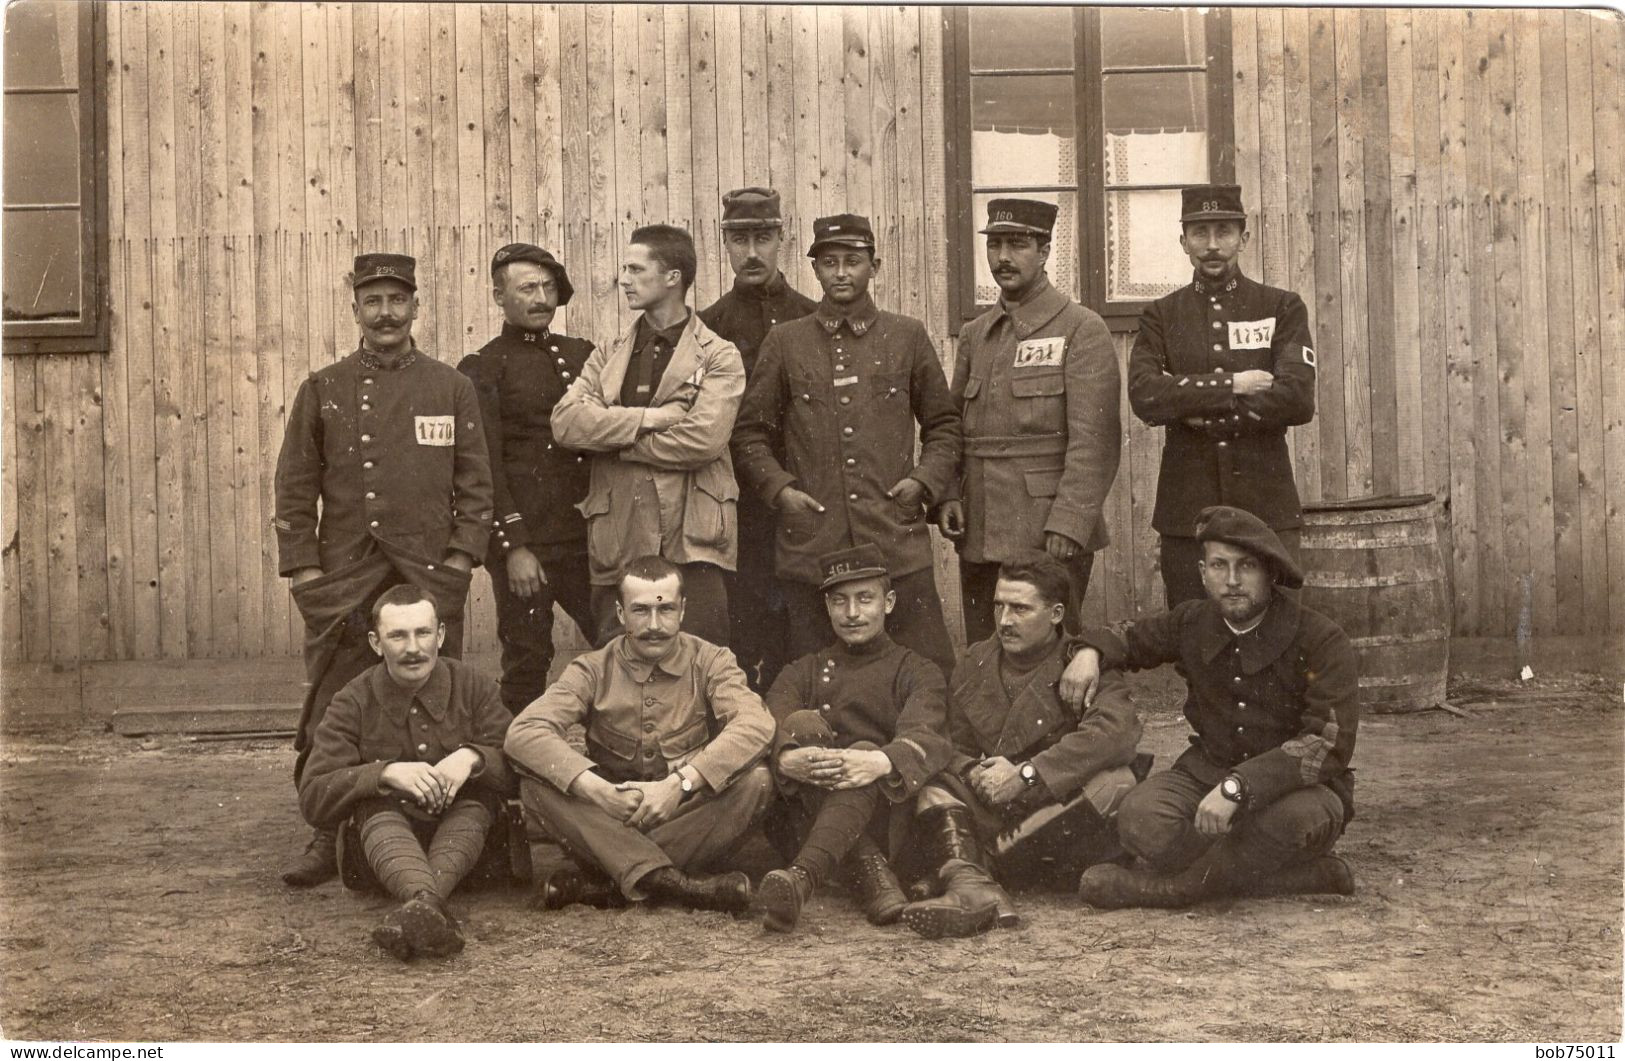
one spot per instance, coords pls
(1252, 335)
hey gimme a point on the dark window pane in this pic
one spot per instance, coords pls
(1021, 38)
(1034, 104)
(42, 43)
(1141, 37)
(41, 265)
(42, 149)
(1063, 251)
(1156, 103)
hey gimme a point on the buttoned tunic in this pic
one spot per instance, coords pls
(374, 722)
(746, 313)
(669, 492)
(644, 720)
(396, 454)
(839, 396)
(1191, 344)
(1037, 385)
(1066, 747)
(519, 376)
(882, 693)
(1278, 705)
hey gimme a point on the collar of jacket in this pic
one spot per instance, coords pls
(524, 335)
(869, 650)
(396, 699)
(372, 362)
(762, 292)
(1036, 310)
(858, 320)
(1261, 645)
(1204, 288)
(644, 332)
(676, 664)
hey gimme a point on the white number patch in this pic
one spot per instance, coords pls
(436, 430)
(1031, 353)
(1252, 335)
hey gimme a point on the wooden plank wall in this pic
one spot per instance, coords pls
(1444, 188)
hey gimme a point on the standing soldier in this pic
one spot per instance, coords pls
(752, 232)
(1037, 384)
(826, 436)
(539, 546)
(1225, 364)
(388, 441)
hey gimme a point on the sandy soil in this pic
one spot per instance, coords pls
(140, 901)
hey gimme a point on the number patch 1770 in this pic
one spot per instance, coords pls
(436, 430)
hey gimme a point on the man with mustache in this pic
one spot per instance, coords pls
(1225, 364)
(539, 543)
(860, 727)
(408, 763)
(672, 775)
(752, 234)
(383, 478)
(827, 433)
(655, 409)
(1037, 384)
(1028, 795)
(1257, 801)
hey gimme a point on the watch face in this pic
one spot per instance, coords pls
(1027, 772)
(1230, 788)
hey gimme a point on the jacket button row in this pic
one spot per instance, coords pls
(423, 747)
(367, 380)
(366, 438)
(851, 461)
(366, 464)
(372, 495)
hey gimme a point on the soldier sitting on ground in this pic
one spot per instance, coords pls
(409, 758)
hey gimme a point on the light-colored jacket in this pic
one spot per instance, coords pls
(670, 492)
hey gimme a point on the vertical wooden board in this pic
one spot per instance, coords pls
(1555, 220)
(497, 108)
(1427, 200)
(730, 145)
(1142, 459)
(160, 125)
(573, 221)
(194, 422)
(369, 117)
(781, 105)
(910, 182)
(416, 93)
(650, 113)
(934, 237)
(210, 502)
(1244, 105)
(288, 69)
(546, 106)
(1381, 158)
(219, 488)
(809, 182)
(90, 508)
(343, 131)
(599, 231)
(397, 132)
(1608, 72)
(1458, 262)
(832, 111)
(439, 221)
(520, 167)
(58, 497)
(705, 187)
(1351, 247)
(115, 386)
(11, 599)
(679, 119)
(628, 187)
(184, 61)
(883, 114)
(33, 520)
(1300, 186)
(857, 146)
(250, 465)
(1271, 196)
(316, 120)
(753, 89)
(458, 270)
(1325, 220)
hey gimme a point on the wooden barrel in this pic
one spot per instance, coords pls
(1373, 566)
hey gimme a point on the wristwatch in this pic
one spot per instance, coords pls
(1029, 775)
(1234, 789)
(685, 783)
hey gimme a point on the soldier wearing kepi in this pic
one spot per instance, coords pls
(539, 544)
(1257, 801)
(383, 478)
(752, 233)
(1226, 365)
(826, 436)
(1037, 384)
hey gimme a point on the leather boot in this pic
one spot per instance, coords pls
(872, 882)
(783, 893)
(727, 892)
(1218, 871)
(318, 863)
(429, 928)
(572, 884)
(968, 906)
(1326, 875)
(949, 836)
(391, 935)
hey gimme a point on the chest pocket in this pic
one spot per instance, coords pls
(890, 387)
(1046, 384)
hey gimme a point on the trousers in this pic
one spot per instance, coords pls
(977, 582)
(525, 625)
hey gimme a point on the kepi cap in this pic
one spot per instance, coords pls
(751, 208)
(1030, 217)
(1211, 202)
(850, 565)
(1222, 523)
(529, 252)
(378, 265)
(850, 230)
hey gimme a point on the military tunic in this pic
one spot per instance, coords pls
(748, 312)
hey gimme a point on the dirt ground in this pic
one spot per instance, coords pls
(140, 902)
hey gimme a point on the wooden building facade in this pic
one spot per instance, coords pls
(1444, 187)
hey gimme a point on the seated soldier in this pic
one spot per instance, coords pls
(1033, 784)
(1256, 803)
(672, 776)
(860, 719)
(410, 753)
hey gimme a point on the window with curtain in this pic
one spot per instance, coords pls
(1105, 112)
(53, 234)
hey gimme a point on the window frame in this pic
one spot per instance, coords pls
(1087, 73)
(91, 332)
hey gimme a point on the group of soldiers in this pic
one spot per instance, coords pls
(733, 506)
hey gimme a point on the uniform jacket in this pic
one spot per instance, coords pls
(1037, 385)
(397, 455)
(1278, 705)
(373, 722)
(519, 376)
(1066, 748)
(644, 720)
(744, 315)
(839, 399)
(1190, 345)
(882, 693)
(669, 492)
